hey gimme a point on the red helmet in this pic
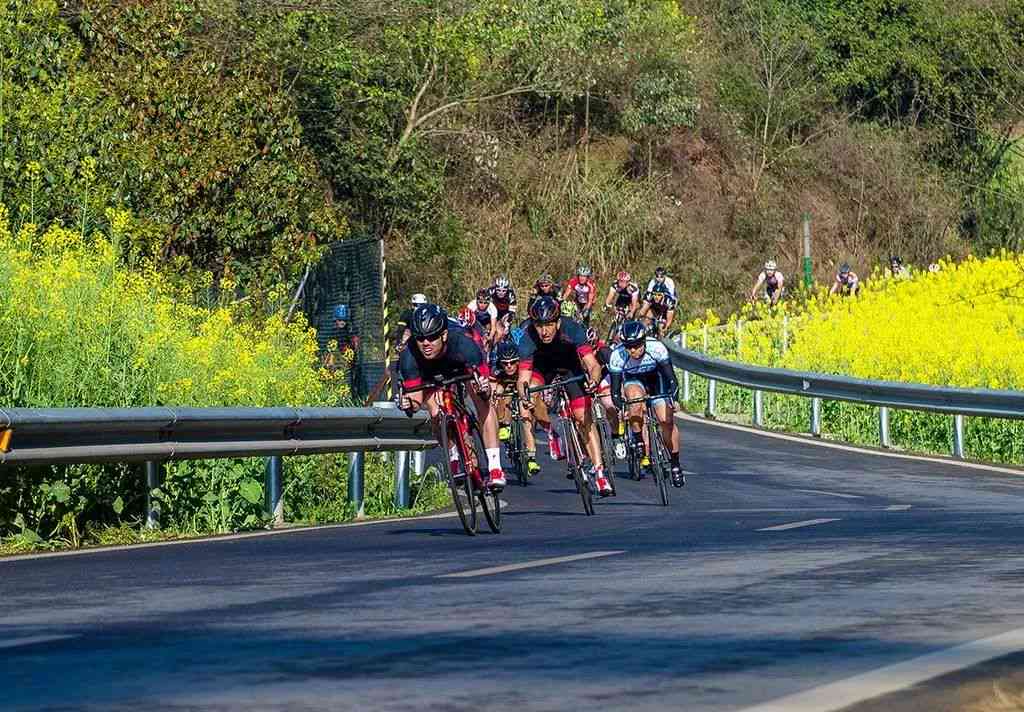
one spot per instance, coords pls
(466, 316)
(624, 276)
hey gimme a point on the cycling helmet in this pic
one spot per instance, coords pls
(583, 271)
(428, 322)
(660, 290)
(633, 332)
(623, 276)
(660, 273)
(466, 316)
(895, 260)
(501, 282)
(341, 312)
(507, 352)
(545, 309)
(844, 269)
(591, 335)
(770, 266)
(483, 294)
(545, 279)
(418, 299)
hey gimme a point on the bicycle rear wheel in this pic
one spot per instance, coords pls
(460, 483)
(574, 456)
(659, 461)
(489, 502)
(517, 454)
(607, 445)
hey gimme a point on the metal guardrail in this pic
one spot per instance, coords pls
(887, 395)
(49, 436)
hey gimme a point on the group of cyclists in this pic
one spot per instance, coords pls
(846, 282)
(554, 340)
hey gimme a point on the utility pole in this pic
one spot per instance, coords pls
(808, 278)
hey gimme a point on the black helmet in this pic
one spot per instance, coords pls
(895, 259)
(633, 332)
(507, 352)
(545, 309)
(844, 268)
(660, 272)
(483, 294)
(428, 322)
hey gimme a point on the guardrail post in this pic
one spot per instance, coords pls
(356, 481)
(958, 436)
(274, 501)
(152, 506)
(403, 490)
(705, 338)
(883, 427)
(709, 412)
(759, 408)
(419, 463)
(686, 374)
(816, 417)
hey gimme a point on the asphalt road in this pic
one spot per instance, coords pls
(705, 605)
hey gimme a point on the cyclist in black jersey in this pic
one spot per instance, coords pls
(505, 376)
(485, 315)
(846, 283)
(546, 286)
(624, 294)
(658, 310)
(773, 281)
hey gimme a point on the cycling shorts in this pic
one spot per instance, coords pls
(578, 398)
(651, 382)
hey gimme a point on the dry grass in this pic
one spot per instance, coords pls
(1000, 700)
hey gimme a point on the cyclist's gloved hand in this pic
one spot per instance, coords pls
(548, 397)
(617, 402)
(407, 404)
(483, 384)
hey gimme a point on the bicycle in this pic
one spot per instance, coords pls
(620, 317)
(571, 440)
(661, 464)
(607, 442)
(515, 447)
(457, 425)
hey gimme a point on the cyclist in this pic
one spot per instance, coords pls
(504, 376)
(603, 352)
(896, 268)
(581, 290)
(623, 295)
(406, 317)
(466, 320)
(640, 366)
(658, 310)
(503, 297)
(661, 278)
(846, 283)
(773, 281)
(553, 346)
(486, 315)
(439, 350)
(545, 286)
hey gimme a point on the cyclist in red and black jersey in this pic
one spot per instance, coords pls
(554, 346)
(486, 316)
(582, 290)
(438, 350)
(505, 376)
(623, 294)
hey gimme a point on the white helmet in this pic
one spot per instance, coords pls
(418, 299)
(770, 265)
(501, 282)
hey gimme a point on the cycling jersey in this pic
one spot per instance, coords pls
(848, 285)
(660, 310)
(461, 355)
(581, 289)
(771, 283)
(504, 303)
(670, 285)
(653, 370)
(485, 316)
(537, 294)
(563, 356)
(624, 295)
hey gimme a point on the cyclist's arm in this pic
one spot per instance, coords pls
(835, 287)
(512, 304)
(610, 298)
(635, 303)
(645, 308)
(592, 366)
(410, 377)
(757, 285)
(669, 318)
(591, 296)
(566, 290)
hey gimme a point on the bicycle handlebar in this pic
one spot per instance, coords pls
(556, 383)
(646, 399)
(440, 383)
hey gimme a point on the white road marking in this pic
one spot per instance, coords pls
(851, 448)
(898, 507)
(530, 564)
(32, 640)
(831, 494)
(838, 695)
(796, 525)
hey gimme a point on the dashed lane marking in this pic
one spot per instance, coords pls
(530, 564)
(831, 494)
(898, 507)
(32, 640)
(797, 525)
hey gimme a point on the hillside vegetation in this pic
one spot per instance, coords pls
(489, 136)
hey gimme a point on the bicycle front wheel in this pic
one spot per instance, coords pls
(456, 471)
(607, 445)
(574, 456)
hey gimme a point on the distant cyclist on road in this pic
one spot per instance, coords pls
(640, 366)
(581, 290)
(658, 310)
(505, 376)
(545, 286)
(438, 349)
(623, 295)
(661, 278)
(773, 281)
(486, 315)
(896, 268)
(846, 282)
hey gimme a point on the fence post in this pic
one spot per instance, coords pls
(686, 374)
(785, 333)
(883, 427)
(419, 463)
(739, 338)
(403, 489)
(152, 506)
(709, 412)
(759, 409)
(356, 482)
(705, 338)
(274, 500)
(958, 436)
(816, 417)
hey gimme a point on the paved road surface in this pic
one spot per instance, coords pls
(707, 605)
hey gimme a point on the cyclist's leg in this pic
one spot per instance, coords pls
(665, 413)
(502, 411)
(635, 412)
(584, 417)
(489, 430)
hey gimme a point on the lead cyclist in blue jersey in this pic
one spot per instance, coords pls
(639, 367)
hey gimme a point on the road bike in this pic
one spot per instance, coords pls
(604, 430)
(462, 452)
(620, 318)
(575, 457)
(515, 446)
(661, 463)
